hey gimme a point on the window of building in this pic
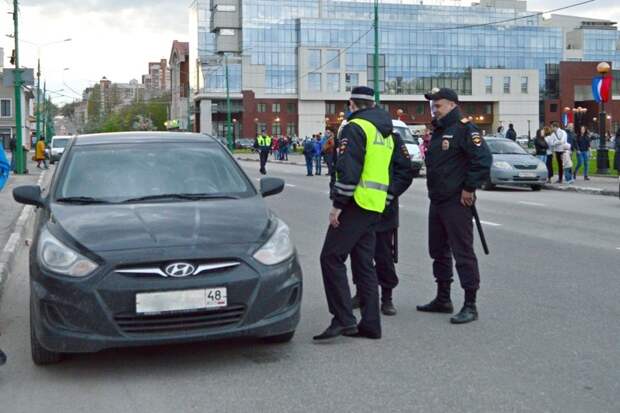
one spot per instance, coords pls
(314, 82)
(488, 85)
(227, 32)
(351, 80)
(524, 84)
(419, 108)
(506, 84)
(371, 73)
(225, 7)
(5, 108)
(276, 129)
(333, 82)
(291, 107)
(275, 108)
(553, 108)
(332, 59)
(330, 108)
(488, 109)
(260, 126)
(261, 108)
(291, 129)
(314, 59)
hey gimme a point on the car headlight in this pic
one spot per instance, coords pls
(57, 257)
(502, 165)
(542, 167)
(278, 248)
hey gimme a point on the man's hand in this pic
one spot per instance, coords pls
(468, 198)
(334, 214)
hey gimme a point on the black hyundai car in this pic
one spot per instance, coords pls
(152, 238)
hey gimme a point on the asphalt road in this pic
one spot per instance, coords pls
(548, 338)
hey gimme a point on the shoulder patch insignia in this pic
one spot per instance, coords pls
(476, 139)
(405, 151)
(343, 145)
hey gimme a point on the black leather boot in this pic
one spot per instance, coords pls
(387, 306)
(441, 303)
(469, 312)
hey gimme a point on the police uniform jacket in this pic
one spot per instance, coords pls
(458, 158)
(352, 150)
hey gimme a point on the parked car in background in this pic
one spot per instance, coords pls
(130, 249)
(513, 165)
(57, 147)
(412, 145)
(523, 140)
(244, 143)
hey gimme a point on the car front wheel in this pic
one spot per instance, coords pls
(536, 187)
(40, 355)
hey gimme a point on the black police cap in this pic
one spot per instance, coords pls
(443, 93)
(363, 93)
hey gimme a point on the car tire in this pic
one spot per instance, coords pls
(40, 355)
(280, 338)
(488, 186)
(536, 187)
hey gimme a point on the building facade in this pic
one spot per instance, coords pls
(312, 52)
(180, 111)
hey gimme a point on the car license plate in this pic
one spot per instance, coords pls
(527, 175)
(149, 303)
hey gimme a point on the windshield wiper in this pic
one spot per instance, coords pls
(82, 200)
(191, 197)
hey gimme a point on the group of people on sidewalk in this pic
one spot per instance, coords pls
(317, 150)
(554, 142)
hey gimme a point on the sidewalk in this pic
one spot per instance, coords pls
(14, 216)
(597, 185)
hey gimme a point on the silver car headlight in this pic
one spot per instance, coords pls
(502, 165)
(278, 248)
(57, 257)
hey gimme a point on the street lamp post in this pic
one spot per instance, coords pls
(376, 55)
(602, 154)
(20, 160)
(228, 108)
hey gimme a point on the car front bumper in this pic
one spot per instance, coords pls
(84, 317)
(517, 177)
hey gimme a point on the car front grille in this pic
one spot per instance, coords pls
(526, 167)
(175, 322)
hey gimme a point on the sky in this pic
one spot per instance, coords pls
(117, 38)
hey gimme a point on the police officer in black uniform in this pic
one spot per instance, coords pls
(458, 162)
(365, 155)
(263, 145)
(386, 231)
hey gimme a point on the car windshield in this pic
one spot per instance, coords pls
(146, 171)
(405, 135)
(60, 143)
(505, 147)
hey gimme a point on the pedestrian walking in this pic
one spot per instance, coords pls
(13, 148)
(500, 132)
(386, 232)
(263, 145)
(583, 143)
(361, 190)
(567, 163)
(559, 138)
(328, 151)
(39, 153)
(540, 145)
(308, 151)
(286, 143)
(511, 133)
(5, 168)
(317, 154)
(457, 163)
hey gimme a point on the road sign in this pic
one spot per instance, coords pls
(8, 77)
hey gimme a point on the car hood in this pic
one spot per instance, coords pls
(517, 159)
(102, 228)
(414, 150)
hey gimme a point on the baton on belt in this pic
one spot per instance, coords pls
(395, 245)
(480, 232)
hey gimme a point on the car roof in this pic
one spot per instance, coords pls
(62, 137)
(142, 137)
(399, 123)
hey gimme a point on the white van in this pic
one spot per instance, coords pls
(412, 145)
(57, 148)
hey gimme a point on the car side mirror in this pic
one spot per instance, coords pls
(29, 195)
(271, 186)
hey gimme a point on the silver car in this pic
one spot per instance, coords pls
(512, 165)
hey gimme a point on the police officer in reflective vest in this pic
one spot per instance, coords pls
(263, 145)
(457, 162)
(366, 149)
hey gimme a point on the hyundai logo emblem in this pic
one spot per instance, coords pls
(180, 270)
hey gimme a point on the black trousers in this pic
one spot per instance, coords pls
(384, 263)
(451, 233)
(354, 237)
(263, 160)
(550, 166)
(558, 157)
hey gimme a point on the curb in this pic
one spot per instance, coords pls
(584, 190)
(10, 250)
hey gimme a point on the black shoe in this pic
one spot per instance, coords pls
(467, 314)
(363, 333)
(387, 308)
(355, 302)
(335, 331)
(2, 358)
(437, 306)
(586, 178)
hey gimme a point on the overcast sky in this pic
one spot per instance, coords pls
(117, 38)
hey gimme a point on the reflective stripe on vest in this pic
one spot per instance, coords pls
(264, 140)
(371, 192)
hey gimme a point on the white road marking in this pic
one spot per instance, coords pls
(291, 185)
(491, 224)
(532, 203)
(618, 248)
